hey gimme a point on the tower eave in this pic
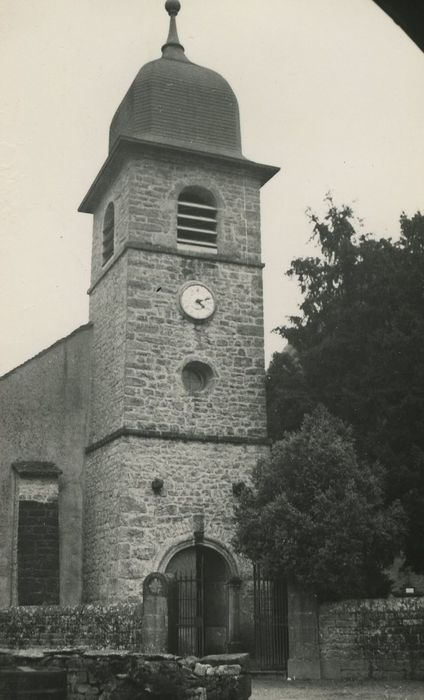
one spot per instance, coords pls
(126, 146)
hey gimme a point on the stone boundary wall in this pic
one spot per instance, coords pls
(115, 675)
(96, 626)
(381, 639)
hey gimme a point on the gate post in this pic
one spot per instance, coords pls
(154, 630)
(233, 643)
(304, 652)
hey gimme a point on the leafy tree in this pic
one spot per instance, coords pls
(316, 514)
(357, 348)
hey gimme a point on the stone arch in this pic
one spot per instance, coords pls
(206, 606)
(163, 560)
(207, 184)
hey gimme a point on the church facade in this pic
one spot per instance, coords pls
(122, 445)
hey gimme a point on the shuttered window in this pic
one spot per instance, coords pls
(109, 233)
(197, 219)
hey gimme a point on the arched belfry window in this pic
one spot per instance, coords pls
(109, 232)
(197, 217)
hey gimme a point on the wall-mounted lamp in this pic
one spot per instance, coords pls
(157, 485)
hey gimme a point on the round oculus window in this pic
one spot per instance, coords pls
(196, 376)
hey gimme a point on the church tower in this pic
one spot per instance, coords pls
(177, 415)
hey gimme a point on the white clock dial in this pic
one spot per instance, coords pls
(197, 300)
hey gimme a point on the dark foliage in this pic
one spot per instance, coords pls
(316, 515)
(357, 348)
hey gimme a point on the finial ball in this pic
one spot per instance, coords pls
(172, 7)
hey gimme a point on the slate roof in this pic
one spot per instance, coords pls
(176, 102)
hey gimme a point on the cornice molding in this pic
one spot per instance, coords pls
(178, 437)
(126, 146)
(162, 250)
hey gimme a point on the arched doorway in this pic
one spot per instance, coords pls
(199, 621)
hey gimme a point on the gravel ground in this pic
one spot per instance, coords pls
(281, 689)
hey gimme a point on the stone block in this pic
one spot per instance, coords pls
(189, 661)
(201, 669)
(219, 659)
(230, 670)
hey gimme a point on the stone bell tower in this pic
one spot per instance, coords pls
(177, 410)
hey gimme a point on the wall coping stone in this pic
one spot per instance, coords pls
(242, 660)
(43, 652)
(353, 605)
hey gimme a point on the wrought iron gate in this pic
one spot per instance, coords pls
(186, 623)
(271, 627)
(195, 608)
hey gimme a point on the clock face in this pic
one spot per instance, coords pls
(197, 300)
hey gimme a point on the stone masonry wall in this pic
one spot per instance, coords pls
(114, 675)
(103, 488)
(96, 626)
(156, 185)
(139, 328)
(160, 340)
(198, 480)
(197, 443)
(145, 193)
(108, 315)
(372, 639)
(141, 341)
(118, 193)
(130, 529)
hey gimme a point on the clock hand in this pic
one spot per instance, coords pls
(199, 301)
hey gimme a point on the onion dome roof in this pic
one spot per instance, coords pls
(174, 101)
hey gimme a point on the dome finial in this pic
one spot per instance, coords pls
(172, 7)
(173, 48)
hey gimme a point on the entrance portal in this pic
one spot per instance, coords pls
(200, 608)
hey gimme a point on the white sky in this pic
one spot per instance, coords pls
(330, 90)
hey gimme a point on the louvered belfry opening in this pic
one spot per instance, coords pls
(109, 233)
(197, 219)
